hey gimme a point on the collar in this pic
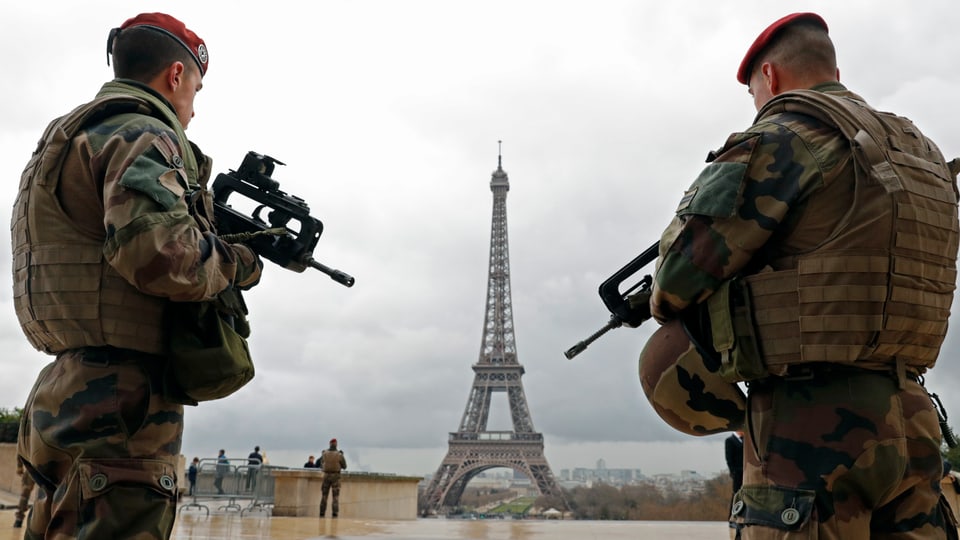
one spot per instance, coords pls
(149, 89)
(830, 86)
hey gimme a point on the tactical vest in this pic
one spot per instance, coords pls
(878, 291)
(65, 293)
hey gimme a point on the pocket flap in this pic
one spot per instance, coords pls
(721, 322)
(97, 476)
(772, 506)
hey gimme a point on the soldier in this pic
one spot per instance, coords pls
(26, 489)
(814, 257)
(112, 228)
(332, 462)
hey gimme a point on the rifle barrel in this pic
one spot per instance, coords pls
(340, 277)
(614, 322)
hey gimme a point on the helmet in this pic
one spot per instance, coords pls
(684, 386)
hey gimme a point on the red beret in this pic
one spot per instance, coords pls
(743, 74)
(175, 29)
(333, 442)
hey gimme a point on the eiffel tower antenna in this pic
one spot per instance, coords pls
(473, 448)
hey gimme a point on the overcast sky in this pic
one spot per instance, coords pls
(387, 115)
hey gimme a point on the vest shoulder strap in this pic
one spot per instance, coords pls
(50, 150)
(101, 107)
(855, 119)
(875, 137)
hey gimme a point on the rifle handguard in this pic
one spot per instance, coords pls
(239, 238)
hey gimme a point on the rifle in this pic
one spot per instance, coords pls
(617, 302)
(272, 239)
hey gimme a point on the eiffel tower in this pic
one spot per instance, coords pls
(472, 448)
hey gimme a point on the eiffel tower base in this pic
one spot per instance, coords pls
(467, 458)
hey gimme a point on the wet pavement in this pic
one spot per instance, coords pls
(259, 525)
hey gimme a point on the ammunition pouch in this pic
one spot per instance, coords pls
(732, 333)
(207, 353)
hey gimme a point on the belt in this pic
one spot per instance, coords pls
(822, 370)
(108, 355)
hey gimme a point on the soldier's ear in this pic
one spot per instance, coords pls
(167, 81)
(770, 77)
(175, 75)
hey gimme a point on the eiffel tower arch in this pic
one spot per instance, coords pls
(473, 448)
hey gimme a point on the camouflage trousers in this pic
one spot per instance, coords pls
(331, 481)
(26, 489)
(102, 443)
(841, 455)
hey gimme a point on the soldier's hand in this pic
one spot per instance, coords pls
(249, 266)
(639, 304)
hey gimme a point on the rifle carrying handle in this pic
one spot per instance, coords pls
(616, 300)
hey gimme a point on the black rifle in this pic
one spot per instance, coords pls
(617, 302)
(272, 239)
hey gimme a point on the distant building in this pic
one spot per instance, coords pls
(686, 482)
(614, 477)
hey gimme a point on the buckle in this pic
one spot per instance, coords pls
(802, 373)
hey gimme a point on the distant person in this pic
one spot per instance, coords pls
(192, 474)
(332, 462)
(254, 461)
(223, 467)
(310, 464)
(733, 451)
(26, 490)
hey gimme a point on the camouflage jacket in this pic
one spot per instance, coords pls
(112, 221)
(752, 186)
(841, 218)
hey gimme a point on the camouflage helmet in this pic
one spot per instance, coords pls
(685, 390)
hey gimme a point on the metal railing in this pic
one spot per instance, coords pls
(237, 484)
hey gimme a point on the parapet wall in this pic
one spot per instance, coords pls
(297, 491)
(362, 495)
(9, 481)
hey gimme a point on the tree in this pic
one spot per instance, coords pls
(647, 502)
(10, 424)
(7, 415)
(951, 455)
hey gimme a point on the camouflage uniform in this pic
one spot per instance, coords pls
(950, 486)
(26, 490)
(832, 450)
(332, 462)
(96, 260)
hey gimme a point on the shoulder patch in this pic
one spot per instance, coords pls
(718, 188)
(687, 198)
(154, 179)
(171, 153)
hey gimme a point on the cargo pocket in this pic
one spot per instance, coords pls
(733, 334)
(776, 508)
(121, 498)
